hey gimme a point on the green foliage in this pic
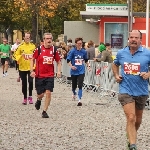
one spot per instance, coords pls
(22, 14)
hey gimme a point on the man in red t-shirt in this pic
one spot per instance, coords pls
(44, 71)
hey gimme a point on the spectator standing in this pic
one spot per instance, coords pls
(105, 55)
(91, 50)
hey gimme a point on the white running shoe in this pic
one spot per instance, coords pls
(4, 75)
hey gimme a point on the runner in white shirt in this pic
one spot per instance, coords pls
(13, 48)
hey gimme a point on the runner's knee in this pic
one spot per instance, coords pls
(131, 118)
(48, 93)
(41, 95)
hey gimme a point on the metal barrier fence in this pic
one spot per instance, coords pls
(99, 80)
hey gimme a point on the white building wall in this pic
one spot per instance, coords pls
(86, 30)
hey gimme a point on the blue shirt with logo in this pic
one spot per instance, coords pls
(131, 66)
(77, 58)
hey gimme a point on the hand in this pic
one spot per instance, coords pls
(89, 68)
(73, 68)
(62, 56)
(94, 59)
(118, 78)
(23, 54)
(32, 74)
(145, 75)
(58, 74)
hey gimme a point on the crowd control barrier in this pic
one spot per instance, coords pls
(98, 80)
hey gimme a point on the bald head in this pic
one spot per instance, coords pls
(136, 31)
(135, 37)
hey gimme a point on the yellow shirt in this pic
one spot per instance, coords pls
(22, 55)
(113, 57)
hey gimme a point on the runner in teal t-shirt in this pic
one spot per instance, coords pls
(5, 50)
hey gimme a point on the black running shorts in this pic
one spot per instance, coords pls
(43, 84)
(5, 59)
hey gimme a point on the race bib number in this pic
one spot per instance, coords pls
(28, 56)
(47, 60)
(5, 54)
(132, 68)
(78, 61)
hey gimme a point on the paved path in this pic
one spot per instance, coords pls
(90, 127)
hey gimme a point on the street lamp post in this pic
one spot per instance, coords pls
(147, 22)
(128, 2)
(131, 25)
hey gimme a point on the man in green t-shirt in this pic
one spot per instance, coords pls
(5, 50)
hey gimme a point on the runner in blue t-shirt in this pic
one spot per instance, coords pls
(75, 59)
(133, 82)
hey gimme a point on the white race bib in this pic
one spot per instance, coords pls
(5, 54)
(132, 68)
(78, 61)
(47, 60)
(28, 56)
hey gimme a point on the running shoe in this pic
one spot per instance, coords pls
(30, 100)
(4, 75)
(133, 147)
(24, 102)
(37, 104)
(79, 104)
(44, 114)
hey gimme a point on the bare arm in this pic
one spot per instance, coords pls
(32, 73)
(59, 66)
(69, 63)
(59, 69)
(31, 64)
(72, 67)
(115, 69)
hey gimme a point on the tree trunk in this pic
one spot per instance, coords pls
(34, 28)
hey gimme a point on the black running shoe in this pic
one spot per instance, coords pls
(133, 147)
(79, 104)
(37, 104)
(44, 114)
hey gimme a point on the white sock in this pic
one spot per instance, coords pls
(79, 100)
